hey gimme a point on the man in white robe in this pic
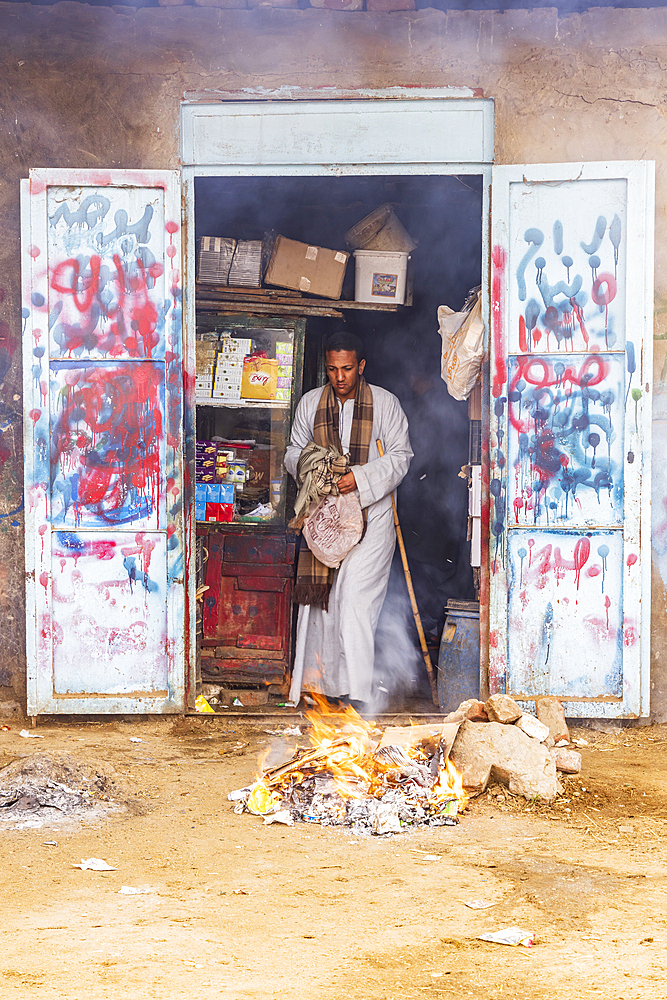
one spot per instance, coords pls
(335, 648)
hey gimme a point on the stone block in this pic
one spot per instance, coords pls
(567, 761)
(473, 710)
(211, 691)
(173, 3)
(483, 750)
(247, 696)
(550, 712)
(502, 708)
(531, 726)
(338, 4)
(389, 5)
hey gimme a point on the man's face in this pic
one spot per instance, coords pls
(344, 370)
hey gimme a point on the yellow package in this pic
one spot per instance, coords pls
(201, 705)
(260, 378)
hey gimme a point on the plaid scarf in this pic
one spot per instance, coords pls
(317, 473)
(313, 578)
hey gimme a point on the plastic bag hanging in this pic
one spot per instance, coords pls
(462, 347)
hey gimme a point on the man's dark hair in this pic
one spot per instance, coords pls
(344, 341)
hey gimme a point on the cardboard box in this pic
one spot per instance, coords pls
(305, 268)
(200, 511)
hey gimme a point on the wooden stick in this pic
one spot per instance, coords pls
(411, 592)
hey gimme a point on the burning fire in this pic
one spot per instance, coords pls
(353, 774)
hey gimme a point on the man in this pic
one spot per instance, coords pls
(335, 639)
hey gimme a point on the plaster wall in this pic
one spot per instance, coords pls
(92, 87)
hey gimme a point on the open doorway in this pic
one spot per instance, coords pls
(444, 214)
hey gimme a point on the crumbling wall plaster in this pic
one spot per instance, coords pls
(88, 86)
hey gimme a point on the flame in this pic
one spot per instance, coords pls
(343, 748)
(450, 783)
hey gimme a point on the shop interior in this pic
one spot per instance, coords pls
(443, 214)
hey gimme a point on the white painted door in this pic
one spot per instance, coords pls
(103, 390)
(570, 435)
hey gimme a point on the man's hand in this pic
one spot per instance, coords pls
(347, 483)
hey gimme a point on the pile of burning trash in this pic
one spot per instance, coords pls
(354, 775)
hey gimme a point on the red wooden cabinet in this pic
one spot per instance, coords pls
(248, 608)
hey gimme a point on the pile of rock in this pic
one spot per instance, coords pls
(497, 739)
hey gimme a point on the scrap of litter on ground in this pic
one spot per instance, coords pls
(355, 775)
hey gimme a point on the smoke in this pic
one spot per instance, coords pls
(400, 673)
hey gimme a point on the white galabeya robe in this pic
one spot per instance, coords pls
(335, 648)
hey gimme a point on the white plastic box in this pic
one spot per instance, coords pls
(380, 276)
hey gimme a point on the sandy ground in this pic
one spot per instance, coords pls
(237, 909)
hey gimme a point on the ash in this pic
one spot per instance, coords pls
(44, 790)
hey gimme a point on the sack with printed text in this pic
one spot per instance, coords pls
(333, 527)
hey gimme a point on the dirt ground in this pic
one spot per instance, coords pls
(238, 909)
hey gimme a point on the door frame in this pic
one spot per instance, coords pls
(225, 134)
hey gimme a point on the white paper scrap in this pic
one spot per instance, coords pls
(510, 935)
(95, 865)
(282, 816)
(28, 735)
(132, 890)
(478, 904)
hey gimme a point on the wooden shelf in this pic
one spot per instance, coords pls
(220, 300)
(273, 404)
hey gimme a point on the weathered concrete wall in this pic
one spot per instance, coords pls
(94, 86)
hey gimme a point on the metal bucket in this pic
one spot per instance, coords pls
(458, 661)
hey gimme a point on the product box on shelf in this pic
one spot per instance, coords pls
(307, 268)
(259, 378)
(221, 512)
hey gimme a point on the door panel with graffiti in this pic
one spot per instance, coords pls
(102, 314)
(569, 444)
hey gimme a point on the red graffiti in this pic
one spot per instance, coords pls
(107, 440)
(631, 560)
(549, 559)
(113, 309)
(582, 551)
(602, 293)
(143, 548)
(499, 260)
(539, 373)
(630, 635)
